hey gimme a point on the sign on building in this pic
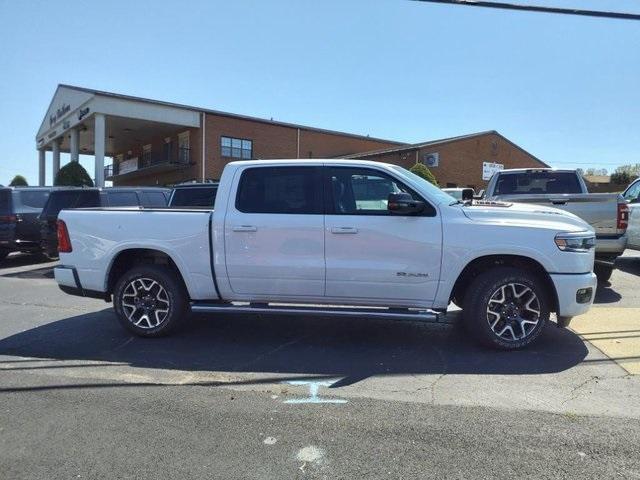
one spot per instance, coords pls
(488, 169)
(129, 165)
(431, 159)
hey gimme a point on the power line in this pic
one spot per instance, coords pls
(538, 8)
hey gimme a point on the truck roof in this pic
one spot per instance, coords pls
(311, 161)
(529, 170)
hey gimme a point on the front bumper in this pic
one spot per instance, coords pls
(567, 287)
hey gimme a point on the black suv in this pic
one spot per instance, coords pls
(194, 195)
(76, 197)
(19, 210)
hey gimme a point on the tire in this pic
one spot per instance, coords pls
(603, 272)
(500, 305)
(151, 291)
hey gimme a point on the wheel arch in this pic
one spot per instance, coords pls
(128, 258)
(484, 263)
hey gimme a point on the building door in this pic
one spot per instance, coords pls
(274, 233)
(371, 253)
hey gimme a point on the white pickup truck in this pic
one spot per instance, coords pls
(333, 237)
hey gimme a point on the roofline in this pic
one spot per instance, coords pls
(224, 114)
(417, 146)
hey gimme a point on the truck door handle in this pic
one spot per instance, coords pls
(344, 230)
(244, 228)
(559, 201)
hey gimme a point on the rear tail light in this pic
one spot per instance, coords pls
(64, 242)
(8, 218)
(623, 216)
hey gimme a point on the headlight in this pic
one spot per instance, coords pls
(575, 242)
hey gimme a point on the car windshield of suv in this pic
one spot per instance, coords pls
(33, 198)
(5, 201)
(194, 197)
(70, 199)
(537, 183)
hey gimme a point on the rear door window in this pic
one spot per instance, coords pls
(33, 199)
(122, 199)
(194, 197)
(70, 199)
(289, 190)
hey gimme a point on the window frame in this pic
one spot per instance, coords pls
(329, 208)
(317, 173)
(634, 184)
(231, 147)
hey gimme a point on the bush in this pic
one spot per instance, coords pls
(19, 181)
(73, 175)
(622, 178)
(422, 171)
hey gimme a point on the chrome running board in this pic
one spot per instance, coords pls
(320, 311)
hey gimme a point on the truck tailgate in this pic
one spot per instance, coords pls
(600, 210)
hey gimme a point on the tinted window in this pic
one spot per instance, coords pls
(295, 190)
(33, 199)
(359, 191)
(154, 199)
(5, 201)
(70, 199)
(633, 192)
(537, 183)
(194, 197)
(122, 199)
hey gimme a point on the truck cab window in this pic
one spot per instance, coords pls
(289, 190)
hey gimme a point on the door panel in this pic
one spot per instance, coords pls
(274, 233)
(383, 256)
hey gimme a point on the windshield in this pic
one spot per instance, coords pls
(70, 199)
(194, 197)
(434, 192)
(537, 183)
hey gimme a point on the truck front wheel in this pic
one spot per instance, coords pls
(506, 308)
(150, 300)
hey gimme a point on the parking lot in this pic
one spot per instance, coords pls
(258, 397)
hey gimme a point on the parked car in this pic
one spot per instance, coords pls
(462, 194)
(607, 213)
(77, 197)
(19, 210)
(194, 195)
(632, 196)
(298, 233)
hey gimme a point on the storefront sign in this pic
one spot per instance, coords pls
(488, 169)
(59, 113)
(127, 166)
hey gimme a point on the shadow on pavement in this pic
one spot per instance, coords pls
(606, 294)
(354, 349)
(43, 272)
(23, 259)
(629, 264)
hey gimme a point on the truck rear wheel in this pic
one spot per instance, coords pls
(506, 308)
(150, 300)
(603, 272)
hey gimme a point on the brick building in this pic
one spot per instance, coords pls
(153, 142)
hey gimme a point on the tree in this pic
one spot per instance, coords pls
(19, 181)
(422, 171)
(621, 178)
(73, 175)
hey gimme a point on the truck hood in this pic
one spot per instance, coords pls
(520, 214)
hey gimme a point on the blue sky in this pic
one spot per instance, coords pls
(564, 88)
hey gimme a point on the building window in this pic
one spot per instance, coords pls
(146, 155)
(236, 147)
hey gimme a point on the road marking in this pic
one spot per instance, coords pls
(313, 397)
(615, 331)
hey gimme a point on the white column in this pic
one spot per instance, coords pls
(98, 148)
(55, 147)
(75, 144)
(42, 165)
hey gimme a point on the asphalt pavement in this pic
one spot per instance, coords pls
(269, 397)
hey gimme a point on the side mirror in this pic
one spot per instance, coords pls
(403, 204)
(467, 194)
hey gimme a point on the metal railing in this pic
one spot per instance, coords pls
(171, 156)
